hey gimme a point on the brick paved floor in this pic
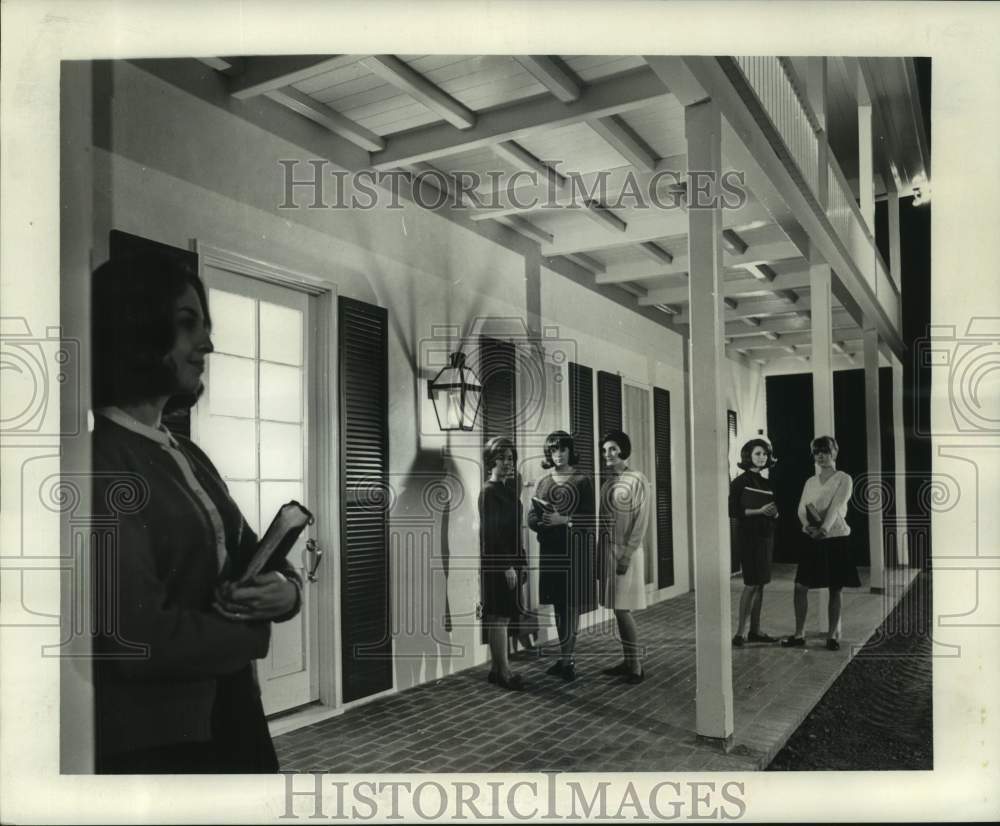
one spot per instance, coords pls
(463, 724)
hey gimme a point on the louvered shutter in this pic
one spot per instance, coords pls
(664, 489)
(364, 440)
(581, 415)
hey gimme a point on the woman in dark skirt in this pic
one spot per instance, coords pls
(754, 535)
(826, 559)
(563, 518)
(501, 556)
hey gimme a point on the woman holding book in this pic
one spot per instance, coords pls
(175, 690)
(562, 515)
(502, 560)
(625, 505)
(826, 559)
(751, 504)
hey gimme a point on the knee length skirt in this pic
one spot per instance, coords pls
(827, 563)
(623, 591)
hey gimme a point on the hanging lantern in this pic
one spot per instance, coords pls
(455, 392)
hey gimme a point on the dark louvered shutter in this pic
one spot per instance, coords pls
(732, 429)
(581, 415)
(364, 440)
(664, 489)
(609, 406)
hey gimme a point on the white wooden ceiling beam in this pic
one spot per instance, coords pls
(756, 309)
(586, 262)
(741, 287)
(394, 71)
(654, 224)
(621, 93)
(733, 242)
(266, 74)
(620, 273)
(554, 75)
(657, 253)
(782, 325)
(325, 116)
(625, 142)
(218, 63)
(526, 228)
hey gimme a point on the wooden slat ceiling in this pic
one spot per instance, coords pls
(372, 100)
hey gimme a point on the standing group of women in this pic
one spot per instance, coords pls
(578, 549)
(825, 560)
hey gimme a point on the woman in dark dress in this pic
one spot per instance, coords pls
(754, 536)
(502, 561)
(175, 690)
(563, 518)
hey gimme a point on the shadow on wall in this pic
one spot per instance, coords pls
(430, 640)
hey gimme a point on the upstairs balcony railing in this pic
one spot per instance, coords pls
(779, 94)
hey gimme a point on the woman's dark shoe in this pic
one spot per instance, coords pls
(556, 669)
(511, 683)
(634, 679)
(793, 642)
(760, 636)
(832, 645)
(491, 677)
(569, 672)
(619, 670)
(738, 641)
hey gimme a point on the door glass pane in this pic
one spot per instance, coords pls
(280, 333)
(244, 494)
(280, 392)
(275, 494)
(234, 323)
(231, 386)
(232, 445)
(280, 451)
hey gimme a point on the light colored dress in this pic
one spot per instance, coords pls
(625, 505)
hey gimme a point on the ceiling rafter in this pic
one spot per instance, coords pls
(329, 118)
(266, 74)
(763, 307)
(620, 136)
(620, 93)
(554, 75)
(742, 286)
(394, 71)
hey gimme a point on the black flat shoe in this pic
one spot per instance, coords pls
(634, 679)
(738, 641)
(569, 672)
(619, 670)
(793, 642)
(512, 683)
(491, 677)
(832, 645)
(556, 669)
(760, 636)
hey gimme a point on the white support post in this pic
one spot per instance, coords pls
(866, 167)
(714, 695)
(895, 257)
(873, 432)
(899, 441)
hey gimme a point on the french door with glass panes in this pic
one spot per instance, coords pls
(254, 423)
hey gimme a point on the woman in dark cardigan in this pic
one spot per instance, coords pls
(754, 536)
(175, 690)
(565, 527)
(502, 562)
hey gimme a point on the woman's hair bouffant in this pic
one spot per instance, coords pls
(621, 439)
(494, 448)
(746, 463)
(559, 438)
(825, 443)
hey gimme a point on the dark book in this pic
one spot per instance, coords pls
(541, 507)
(754, 498)
(288, 523)
(813, 516)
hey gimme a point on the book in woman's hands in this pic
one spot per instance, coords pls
(541, 506)
(288, 523)
(813, 516)
(755, 498)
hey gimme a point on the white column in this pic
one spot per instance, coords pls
(873, 433)
(866, 166)
(899, 440)
(714, 695)
(895, 257)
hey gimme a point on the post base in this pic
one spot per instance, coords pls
(723, 744)
(876, 590)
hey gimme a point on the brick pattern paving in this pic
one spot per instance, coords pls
(463, 724)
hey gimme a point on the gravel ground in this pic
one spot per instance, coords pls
(877, 714)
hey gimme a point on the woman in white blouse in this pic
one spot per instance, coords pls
(826, 558)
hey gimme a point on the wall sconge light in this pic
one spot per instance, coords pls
(455, 392)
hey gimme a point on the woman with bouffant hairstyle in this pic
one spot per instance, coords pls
(625, 506)
(751, 504)
(501, 555)
(175, 690)
(562, 515)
